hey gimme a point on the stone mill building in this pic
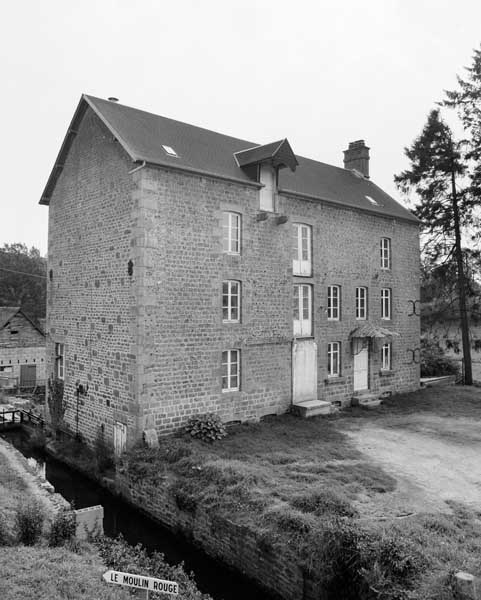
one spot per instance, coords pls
(191, 272)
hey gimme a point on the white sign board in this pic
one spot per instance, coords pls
(144, 583)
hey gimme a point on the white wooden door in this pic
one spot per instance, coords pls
(302, 317)
(304, 371)
(120, 437)
(361, 370)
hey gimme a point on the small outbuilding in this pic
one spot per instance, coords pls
(22, 350)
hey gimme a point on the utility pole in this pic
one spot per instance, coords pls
(468, 373)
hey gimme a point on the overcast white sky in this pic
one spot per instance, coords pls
(321, 73)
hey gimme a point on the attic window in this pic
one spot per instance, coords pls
(169, 150)
(372, 201)
(13, 331)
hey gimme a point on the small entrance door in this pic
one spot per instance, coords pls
(304, 371)
(28, 375)
(361, 370)
(120, 437)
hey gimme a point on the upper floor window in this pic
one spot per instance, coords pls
(231, 301)
(267, 193)
(302, 310)
(385, 247)
(302, 242)
(385, 303)
(361, 303)
(230, 370)
(334, 359)
(231, 232)
(59, 361)
(333, 302)
(386, 362)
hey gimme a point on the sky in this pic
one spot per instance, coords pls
(321, 73)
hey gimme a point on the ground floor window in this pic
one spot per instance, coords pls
(230, 370)
(386, 357)
(7, 369)
(334, 359)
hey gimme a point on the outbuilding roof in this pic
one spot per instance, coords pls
(7, 313)
(148, 138)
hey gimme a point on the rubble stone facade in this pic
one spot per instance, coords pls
(136, 266)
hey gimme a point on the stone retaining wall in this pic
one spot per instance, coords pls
(232, 543)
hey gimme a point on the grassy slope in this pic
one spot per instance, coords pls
(289, 479)
(54, 573)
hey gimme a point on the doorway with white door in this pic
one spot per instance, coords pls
(361, 365)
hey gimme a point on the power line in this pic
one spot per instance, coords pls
(23, 273)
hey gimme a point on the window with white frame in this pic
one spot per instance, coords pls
(333, 302)
(386, 364)
(230, 370)
(231, 232)
(302, 310)
(268, 179)
(386, 304)
(231, 301)
(302, 242)
(59, 360)
(385, 248)
(334, 359)
(361, 303)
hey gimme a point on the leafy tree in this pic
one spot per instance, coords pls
(445, 208)
(23, 279)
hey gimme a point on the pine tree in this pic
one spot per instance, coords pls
(437, 168)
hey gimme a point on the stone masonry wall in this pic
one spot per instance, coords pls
(181, 313)
(233, 543)
(91, 304)
(21, 344)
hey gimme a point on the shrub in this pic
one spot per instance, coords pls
(5, 536)
(104, 453)
(207, 427)
(37, 439)
(119, 555)
(434, 361)
(29, 519)
(63, 528)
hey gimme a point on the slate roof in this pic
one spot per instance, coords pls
(7, 313)
(142, 135)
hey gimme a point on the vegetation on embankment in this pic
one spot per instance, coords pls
(40, 558)
(306, 486)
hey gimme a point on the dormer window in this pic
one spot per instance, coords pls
(170, 151)
(268, 179)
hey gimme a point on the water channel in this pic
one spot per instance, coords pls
(211, 576)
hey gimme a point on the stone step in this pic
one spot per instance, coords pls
(366, 400)
(311, 408)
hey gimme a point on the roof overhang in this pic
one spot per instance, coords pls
(278, 154)
(368, 330)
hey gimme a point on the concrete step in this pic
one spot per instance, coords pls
(311, 408)
(366, 400)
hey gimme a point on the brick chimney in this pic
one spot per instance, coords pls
(357, 157)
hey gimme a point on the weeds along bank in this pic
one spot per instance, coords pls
(279, 501)
(287, 502)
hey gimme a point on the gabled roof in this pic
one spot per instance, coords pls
(8, 312)
(279, 154)
(143, 136)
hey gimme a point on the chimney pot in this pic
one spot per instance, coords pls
(357, 157)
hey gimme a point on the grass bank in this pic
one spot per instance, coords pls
(306, 485)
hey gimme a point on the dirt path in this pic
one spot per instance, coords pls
(434, 459)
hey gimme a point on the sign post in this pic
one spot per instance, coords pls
(144, 583)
